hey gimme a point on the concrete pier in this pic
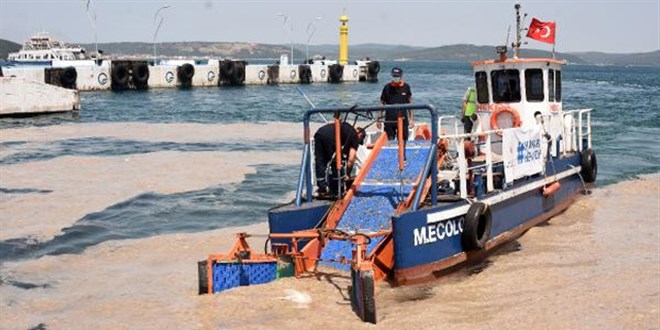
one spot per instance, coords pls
(118, 75)
(23, 97)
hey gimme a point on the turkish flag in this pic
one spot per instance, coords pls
(542, 31)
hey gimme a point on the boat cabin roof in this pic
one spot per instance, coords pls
(519, 61)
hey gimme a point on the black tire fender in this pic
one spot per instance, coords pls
(239, 73)
(476, 227)
(141, 74)
(68, 77)
(589, 166)
(119, 75)
(374, 67)
(186, 72)
(230, 68)
(336, 73)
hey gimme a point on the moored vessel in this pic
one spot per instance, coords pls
(42, 49)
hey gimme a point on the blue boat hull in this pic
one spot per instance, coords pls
(427, 244)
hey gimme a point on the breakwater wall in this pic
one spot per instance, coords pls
(119, 75)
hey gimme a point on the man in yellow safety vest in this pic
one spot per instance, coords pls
(469, 108)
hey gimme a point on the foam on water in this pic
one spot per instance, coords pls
(165, 166)
(152, 214)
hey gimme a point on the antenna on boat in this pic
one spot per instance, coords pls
(310, 102)
(508, 34)
(516, 44)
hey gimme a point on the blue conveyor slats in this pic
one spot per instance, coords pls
(377, 198)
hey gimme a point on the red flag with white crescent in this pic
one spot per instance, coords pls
(542, 31)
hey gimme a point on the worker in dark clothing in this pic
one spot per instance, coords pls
(324, 150)
(396, 91)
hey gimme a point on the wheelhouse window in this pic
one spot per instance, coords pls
(534, 85)
(506, 85)
(558, 86)
(551, 85)
(482, 86)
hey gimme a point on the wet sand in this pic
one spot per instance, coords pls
(595, 266)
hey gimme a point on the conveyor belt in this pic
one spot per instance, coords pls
(377, 198)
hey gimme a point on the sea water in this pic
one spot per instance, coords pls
(146, 165)
(626, 126)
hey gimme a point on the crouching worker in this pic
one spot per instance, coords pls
(324, 152)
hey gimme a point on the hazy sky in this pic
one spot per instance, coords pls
(610, 26)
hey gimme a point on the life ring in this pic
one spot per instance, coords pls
(476, 227)
(498, 109)
(141, 74)
(589, 166)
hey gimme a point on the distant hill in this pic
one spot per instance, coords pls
(269, 53)
(374, 51)
(650, 58)
(7, 47)
(190, 49)
(466, 53)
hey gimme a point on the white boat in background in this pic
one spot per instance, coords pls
(42, 49)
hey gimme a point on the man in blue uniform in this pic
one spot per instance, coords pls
(324, 150)
(396, 91)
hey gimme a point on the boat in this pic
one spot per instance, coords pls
(419, 210)
(42, 49)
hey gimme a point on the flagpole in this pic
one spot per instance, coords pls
(554, 43)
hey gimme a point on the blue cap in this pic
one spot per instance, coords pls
(397, 72)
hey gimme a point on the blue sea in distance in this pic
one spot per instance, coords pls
(626, 131)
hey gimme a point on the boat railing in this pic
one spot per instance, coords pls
(305, 179)
(451, 119)
(577, 130)
(461, 163)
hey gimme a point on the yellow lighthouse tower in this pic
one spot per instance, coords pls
(343, 40)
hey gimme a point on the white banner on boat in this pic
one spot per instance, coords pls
(522, 151)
